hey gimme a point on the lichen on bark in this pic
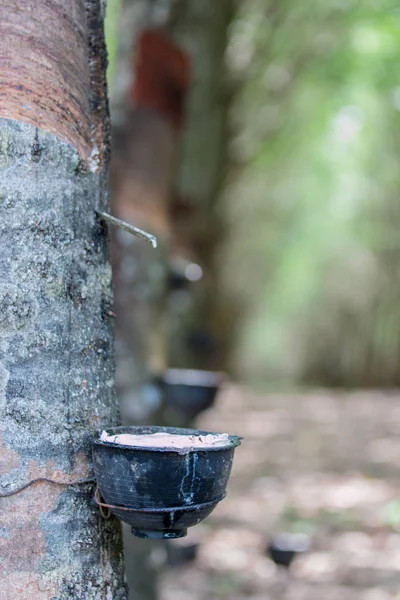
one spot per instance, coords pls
(56, 371)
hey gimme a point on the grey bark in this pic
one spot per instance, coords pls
(56, 371)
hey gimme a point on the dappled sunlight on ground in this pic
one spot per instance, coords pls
(325, 464)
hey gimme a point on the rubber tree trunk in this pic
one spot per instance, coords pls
(197, 336)
(142, 175)
(56, 342)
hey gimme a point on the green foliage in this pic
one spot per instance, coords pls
(313, 204)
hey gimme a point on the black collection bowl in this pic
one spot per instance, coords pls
(161, 492)
(189, 391)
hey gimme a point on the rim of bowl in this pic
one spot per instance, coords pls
(233, 441)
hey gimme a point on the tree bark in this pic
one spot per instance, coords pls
(56, 341)
(142, 175)
(198, 335)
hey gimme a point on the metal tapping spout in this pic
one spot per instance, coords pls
(144, 235)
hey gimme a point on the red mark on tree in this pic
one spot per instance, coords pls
(162, 76)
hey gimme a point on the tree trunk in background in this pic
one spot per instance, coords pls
(144, 153)
(56, 343)
(198, 332)
(142, 175)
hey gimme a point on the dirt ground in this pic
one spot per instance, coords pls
(323, 463)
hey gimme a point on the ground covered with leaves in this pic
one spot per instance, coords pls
(323, 463)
